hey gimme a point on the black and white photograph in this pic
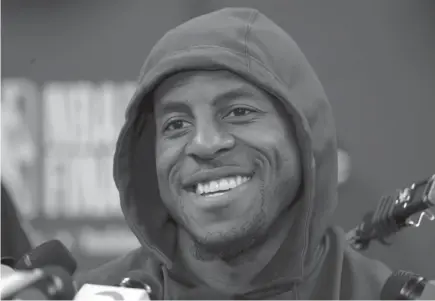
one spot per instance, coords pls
(217, 150)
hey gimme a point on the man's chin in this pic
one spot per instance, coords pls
(226, 244)
(207, 248)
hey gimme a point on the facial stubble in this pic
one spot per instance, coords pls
(233, 243)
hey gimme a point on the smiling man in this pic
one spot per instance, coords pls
(227, 170)
(228, 164)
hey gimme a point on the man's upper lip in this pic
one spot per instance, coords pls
(207, 175)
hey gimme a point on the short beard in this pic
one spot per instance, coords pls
(242, 239)
(229, 250)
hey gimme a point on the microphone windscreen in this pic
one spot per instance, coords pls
(9, 261)
(52, 253)
(139, 279)
(394, 284)
(6, 271)
(63, 280)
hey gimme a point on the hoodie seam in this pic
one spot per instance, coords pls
(296, 293)
(251, 21)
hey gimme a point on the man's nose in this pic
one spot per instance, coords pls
(209, 142)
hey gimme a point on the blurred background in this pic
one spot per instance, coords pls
(69, 68)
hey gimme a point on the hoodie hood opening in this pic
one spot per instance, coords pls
(247, 43)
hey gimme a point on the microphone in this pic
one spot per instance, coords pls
(8, 261)
(49, 283)
(6, 271)
(402, 285)
(138, 279)
(93, 291)
(7, 266)
(394, 213)
(135, 286)
(42, 273)
(51, 252)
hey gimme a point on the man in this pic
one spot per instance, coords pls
(236, 128)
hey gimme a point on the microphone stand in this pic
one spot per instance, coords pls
(394, 213)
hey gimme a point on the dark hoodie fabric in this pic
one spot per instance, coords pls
(315, 261)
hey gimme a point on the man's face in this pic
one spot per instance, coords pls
(227, 160)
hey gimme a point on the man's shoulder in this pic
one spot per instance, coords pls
(359, 277)
(368, 275)
(371, 267)
(112, 272)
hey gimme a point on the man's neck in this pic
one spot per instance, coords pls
(236, 274)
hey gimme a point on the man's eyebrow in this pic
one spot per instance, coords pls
(231, 95)
(171, 106)
(175, 106)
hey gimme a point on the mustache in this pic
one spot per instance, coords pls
(237, 158)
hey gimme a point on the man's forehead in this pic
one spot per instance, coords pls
(181, 86)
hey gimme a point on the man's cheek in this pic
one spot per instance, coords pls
(164, 161)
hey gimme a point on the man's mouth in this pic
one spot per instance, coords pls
(219, 186)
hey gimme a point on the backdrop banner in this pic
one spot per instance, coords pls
(57, 148)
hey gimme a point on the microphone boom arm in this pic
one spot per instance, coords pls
(394, 213)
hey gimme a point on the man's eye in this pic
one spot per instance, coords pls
(176, 125)
(238, 112)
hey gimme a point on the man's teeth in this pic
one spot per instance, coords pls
(223, 184)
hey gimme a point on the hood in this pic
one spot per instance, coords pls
(247, 43)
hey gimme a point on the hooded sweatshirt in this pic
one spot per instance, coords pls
(315, 261)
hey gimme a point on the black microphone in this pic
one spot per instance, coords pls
(52, 253)
(48, 283)
(43, 273)
(394, 213)
(140, 280)
(8, 261)
(402, 285)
